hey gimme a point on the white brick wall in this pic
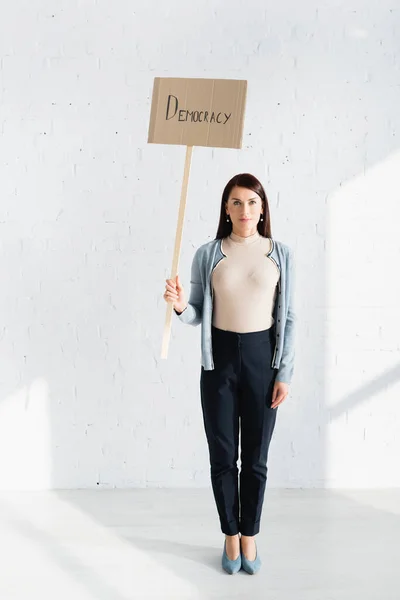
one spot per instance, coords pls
(88, 213)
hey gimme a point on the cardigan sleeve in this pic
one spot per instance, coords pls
(286, 365)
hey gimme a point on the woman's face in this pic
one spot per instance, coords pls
(245, 209)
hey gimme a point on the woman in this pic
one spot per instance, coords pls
(242, 294)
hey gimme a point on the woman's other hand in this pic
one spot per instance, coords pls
(280, 391)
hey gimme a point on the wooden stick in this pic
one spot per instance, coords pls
(177, 249)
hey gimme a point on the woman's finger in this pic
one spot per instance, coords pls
(172, 297)
(171, 291)
(278, 400)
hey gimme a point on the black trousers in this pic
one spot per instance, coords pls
(239, 389)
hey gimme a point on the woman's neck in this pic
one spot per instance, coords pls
(245, 239)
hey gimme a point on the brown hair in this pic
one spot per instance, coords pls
(250, 182)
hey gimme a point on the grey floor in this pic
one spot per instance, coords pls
(154, 543)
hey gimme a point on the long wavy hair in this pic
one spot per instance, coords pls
(250, 182)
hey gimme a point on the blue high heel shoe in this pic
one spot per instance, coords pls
(250, 566)
(230, 566)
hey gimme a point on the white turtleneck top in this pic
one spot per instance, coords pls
(245, 284)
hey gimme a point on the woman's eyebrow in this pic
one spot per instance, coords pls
(249, 198)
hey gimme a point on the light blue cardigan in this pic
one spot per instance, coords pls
(200, 304)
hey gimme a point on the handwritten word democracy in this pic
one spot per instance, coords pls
(195, 116)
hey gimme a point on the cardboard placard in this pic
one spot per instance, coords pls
(198, 112)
